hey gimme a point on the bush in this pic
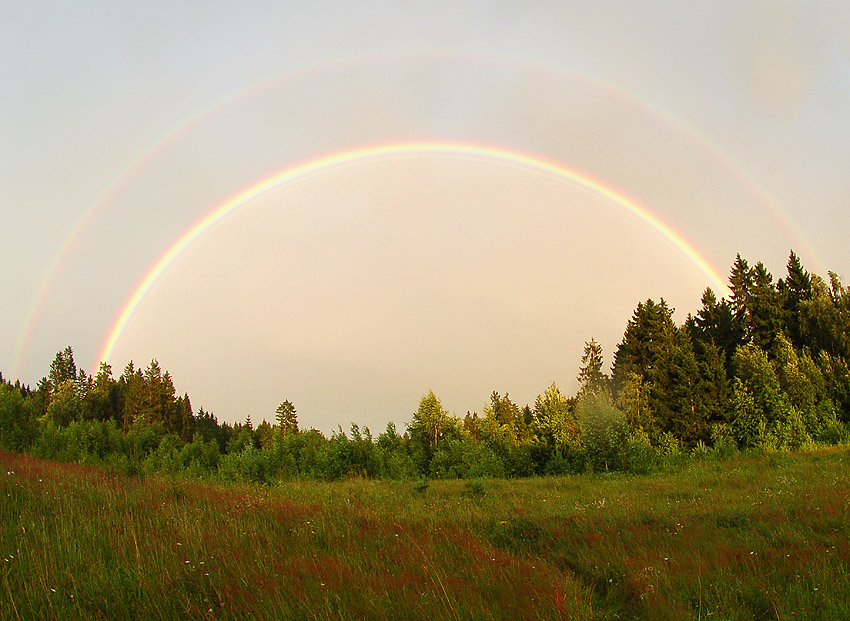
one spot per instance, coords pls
(462, 458)
(251, 465)
(603, 431)
(17, 427)
(641, 458)
(166, 458)
(558, 464)
(199, 457)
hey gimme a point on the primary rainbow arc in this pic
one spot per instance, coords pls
(387, 150)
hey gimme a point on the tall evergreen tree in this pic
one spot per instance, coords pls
(825, 319)
(674, 380)
(132, 384)
(714, 389)
(716, 323)
(590, 377)
(766, 310)
(796, 288)
(741, 285)
(63, 368)
(643, 339)
(287, 421)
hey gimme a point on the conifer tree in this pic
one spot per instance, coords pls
(716, 323)
(642, 341)
(63, 368)
(796, 289)
(674, 379)
(765, 309)
(287, 421)
(741, 285)
(590, 377)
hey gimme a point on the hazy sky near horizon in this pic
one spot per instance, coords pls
(355, 289)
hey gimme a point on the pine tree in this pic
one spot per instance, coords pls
(642, 341)
(825, 319)
(716, 323)
(741, 284)
(765, 309)
(590, 377)
(287, 421)
(714, 389)
(132, 385)
(673, 383)
(63, 368)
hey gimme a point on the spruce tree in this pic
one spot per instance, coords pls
(590, 377)
(287, 421)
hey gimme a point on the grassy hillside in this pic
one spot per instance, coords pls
(752, 538)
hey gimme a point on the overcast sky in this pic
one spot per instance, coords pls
(355, 289)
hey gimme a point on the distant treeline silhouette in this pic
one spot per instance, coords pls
(764, 370)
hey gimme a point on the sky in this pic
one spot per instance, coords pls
(348, 204)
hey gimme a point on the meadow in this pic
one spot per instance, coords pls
(752, 537)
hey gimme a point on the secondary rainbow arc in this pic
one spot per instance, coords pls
(390, 150)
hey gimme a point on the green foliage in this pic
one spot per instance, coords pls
(603, 429)
(554, 420)
(640, 457)
(723, 441)
(353, 456)
(200, 458)
(17, 425)
(645, 337)
(165, 459)
(428, 426)
(590, 376)
(760, 402)
(464, 458)
(766, 370)
(287, 420)
(66, 405)
(393, 457)
(248, 465)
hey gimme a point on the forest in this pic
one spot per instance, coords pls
(764, 371)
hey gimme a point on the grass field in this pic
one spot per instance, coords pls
(751, 538)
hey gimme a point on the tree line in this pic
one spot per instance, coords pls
(764, 369)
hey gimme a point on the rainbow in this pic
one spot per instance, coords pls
(135, 168)
(393, 150)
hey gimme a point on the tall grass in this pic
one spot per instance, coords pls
(749, 538)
